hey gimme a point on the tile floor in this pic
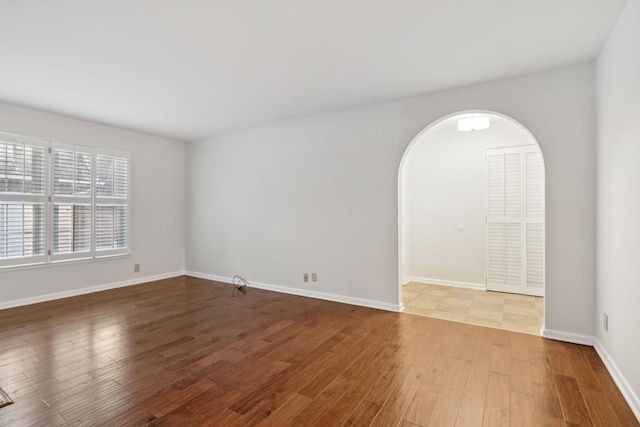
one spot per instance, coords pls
(520, 313)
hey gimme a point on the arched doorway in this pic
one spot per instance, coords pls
(471, 222)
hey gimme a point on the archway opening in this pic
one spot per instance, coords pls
(471, 223)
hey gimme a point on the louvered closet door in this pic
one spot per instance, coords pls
(515, 220)
(534, 217)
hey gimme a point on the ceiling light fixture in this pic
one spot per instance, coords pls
(474, 123)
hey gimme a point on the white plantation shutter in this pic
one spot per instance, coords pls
(512, 213)
(515, 220)
(496, 237)
(534, 220)
(22, 231)
(496, 241)
(512, 185)
(535, 186)
(90, 202)
(495, 185)
(72, 201)
(121, 177)
(513, 254)
(112, 203)
(72, 172)
(72, 228)
(111, 227)
(504, 254)
(535, 255)
(23, 166)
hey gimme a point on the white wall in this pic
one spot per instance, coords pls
(321, 194)
(157, 208)
(447, 187)
(618, 154)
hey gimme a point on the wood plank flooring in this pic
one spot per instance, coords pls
(186, 352)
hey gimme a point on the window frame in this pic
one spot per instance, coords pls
(49, 199)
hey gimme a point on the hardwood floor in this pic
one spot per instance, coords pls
(184, 351)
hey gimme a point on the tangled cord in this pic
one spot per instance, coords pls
(239, 285)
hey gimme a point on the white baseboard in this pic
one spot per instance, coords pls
(87, 290)
(426, 280)
(305, 293)
(567, 337)
(630, 396)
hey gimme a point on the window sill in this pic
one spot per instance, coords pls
(60, 263)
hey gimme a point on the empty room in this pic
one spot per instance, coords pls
(319, 213)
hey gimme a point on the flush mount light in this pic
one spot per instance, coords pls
(474, 123)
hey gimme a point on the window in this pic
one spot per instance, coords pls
(72, 202)
(61, 202)
(112, 177)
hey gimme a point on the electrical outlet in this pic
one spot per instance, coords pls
(306, 277)
(605, 322)
(136, 268)
(314, 277)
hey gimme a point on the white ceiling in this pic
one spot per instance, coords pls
(188, 69)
